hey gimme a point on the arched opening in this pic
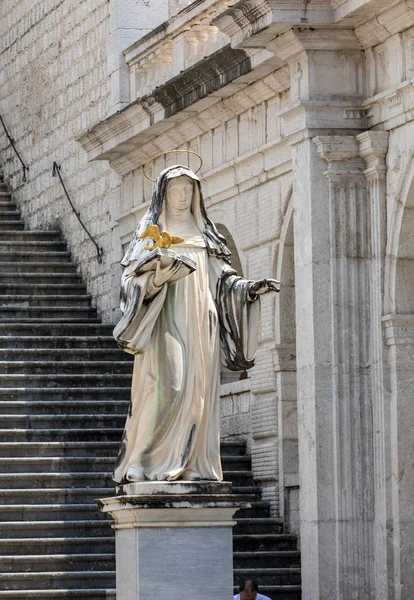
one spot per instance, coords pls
(399, 418)
(404, 276)
(285, 366)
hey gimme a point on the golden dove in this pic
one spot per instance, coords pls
(161, 240)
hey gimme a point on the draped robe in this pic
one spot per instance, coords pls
(179, 332)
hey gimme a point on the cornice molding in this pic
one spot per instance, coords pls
(126, 138)
(263, 19)
(391, 108)
(297, 40)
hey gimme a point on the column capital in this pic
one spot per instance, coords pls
(373, 147)
(399, 329)
(341, 153)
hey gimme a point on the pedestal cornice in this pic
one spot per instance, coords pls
(173, 504)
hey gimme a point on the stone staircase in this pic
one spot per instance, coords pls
(64, 395)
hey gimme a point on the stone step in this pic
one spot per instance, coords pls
(107, 434)
(25, 300)
(261, 542)
(61, 342)
(62, 479)
(37, 268)
(9, 214)
(253, 524)
(59, 449)
(42, 481)
(58, 495)
(60, 256)
(59, 545)
(30, 278)
(51, 512)
(61, 562)
(52, 328)
(49, 464)
(5, 192)
(234, 447)
(26, 408)
(65, 354)
(7, 204)
(70, 448)
(31, 236)
(56, 580)
(53, 380)
(240, 463)
(34, 246)
(65, 394)
(88, 421)
(276, 576)
(11, 225)
(46, 312)
(60, 594)
(247, 490)
(47, 529)
(238, 478)
(103, 368)
(258, 508)
(266, 559)
(52, 321)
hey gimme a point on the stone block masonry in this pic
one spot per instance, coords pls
(54, 86)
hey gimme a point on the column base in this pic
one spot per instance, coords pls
(174, 539)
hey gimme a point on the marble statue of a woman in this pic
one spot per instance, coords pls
(179, 323)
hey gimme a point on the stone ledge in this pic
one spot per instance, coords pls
(166, 488)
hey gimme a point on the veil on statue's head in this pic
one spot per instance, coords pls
(215, 243)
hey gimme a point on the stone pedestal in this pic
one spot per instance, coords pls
(173, 540)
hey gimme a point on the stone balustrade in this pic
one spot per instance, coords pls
(175, 46)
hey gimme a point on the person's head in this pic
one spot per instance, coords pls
(180, 193)
(248, 590)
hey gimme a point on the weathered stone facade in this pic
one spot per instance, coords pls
(303, 114)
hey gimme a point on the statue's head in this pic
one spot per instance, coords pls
(179, 187)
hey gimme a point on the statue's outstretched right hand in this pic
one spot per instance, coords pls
(262, 286)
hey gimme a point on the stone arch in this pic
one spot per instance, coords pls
(399, 270)
(399, 419)
(285, 366)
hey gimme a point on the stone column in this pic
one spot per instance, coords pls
(334, 321)
(351, 394)
(400, 339)
(174, 540)
(373, 147)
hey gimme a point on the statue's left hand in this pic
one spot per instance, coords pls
(262, 286)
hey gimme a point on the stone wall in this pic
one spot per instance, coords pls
(53, 86)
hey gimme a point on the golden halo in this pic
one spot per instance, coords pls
(170, 152)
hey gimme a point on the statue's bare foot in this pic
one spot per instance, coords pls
(189, 475)
(135, 474)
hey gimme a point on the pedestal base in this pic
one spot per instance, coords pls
(174, 540)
